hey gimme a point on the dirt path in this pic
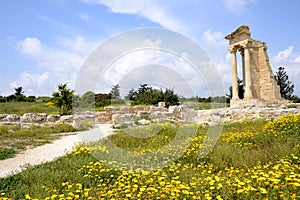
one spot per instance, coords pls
(49, 152)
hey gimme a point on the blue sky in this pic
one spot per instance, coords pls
(44, 43)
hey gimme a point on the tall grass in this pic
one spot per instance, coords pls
(26, 107)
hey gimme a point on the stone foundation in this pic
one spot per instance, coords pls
(141, 115)
(42, 119)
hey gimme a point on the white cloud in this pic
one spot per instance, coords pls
(149, 9)
(158, 68)
(30, 46)
(297, 59)
(33, 83)
(61, 63)
(284, 56)
(237, 6)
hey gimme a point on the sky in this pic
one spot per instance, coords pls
(46, 43)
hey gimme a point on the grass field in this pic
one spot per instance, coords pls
(15, 139)
(26, 107)
(251, 160)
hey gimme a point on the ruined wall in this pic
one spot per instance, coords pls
(42, 119)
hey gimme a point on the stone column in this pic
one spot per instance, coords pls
(235, 88)
(248, 84)
(243, 65)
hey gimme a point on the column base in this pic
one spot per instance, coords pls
(248, 102)
(255, 102)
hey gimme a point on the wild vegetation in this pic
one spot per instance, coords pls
(14, 139)
(251, 160)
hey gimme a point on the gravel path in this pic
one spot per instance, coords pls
(49, 152)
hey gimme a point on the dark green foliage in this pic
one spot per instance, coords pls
(115, 92)
(63, 99)
(286, 86)
(2, 99)
(130, 95)
(102, 100)
(146, 95)
(6, 153)
(296, 99)
(18, 96)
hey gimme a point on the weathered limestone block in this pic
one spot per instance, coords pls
(66, 118)
(158, 109)
(103, 117)
(39, 118)
(3, 117)
(29, 125)
(53, 118)
(125, 109)
(161, 104)
(90, 118)
(13, 118)
(141, 108)
(144, 122)
(144, 114)
(9, 124)
(117, 118)
(27, 118)
(110, 109)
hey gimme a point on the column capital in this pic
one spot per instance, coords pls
(232, 49)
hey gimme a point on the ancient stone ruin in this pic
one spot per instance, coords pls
(260, 87)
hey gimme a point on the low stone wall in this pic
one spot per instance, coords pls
(135, 115)
(40, 119)
(146, 115)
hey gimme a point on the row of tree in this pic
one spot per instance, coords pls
(17, 96)
(64, 98)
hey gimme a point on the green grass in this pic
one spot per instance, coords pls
(26, 107)
(6, 153)
(51, 174)
(243, 164)
(18, 139)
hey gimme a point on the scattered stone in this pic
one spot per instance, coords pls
(66, 118)
(13, 118)
(3, 117)
(53, 118)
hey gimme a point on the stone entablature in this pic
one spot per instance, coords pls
(260, 87)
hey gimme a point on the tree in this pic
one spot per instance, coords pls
(170, 98)
(87, 101)
(115, 92)
(63, 99)
(19, 96)
(296, 99)
(19, 91)
(150, 96)
(286, 86)
(131, 94)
